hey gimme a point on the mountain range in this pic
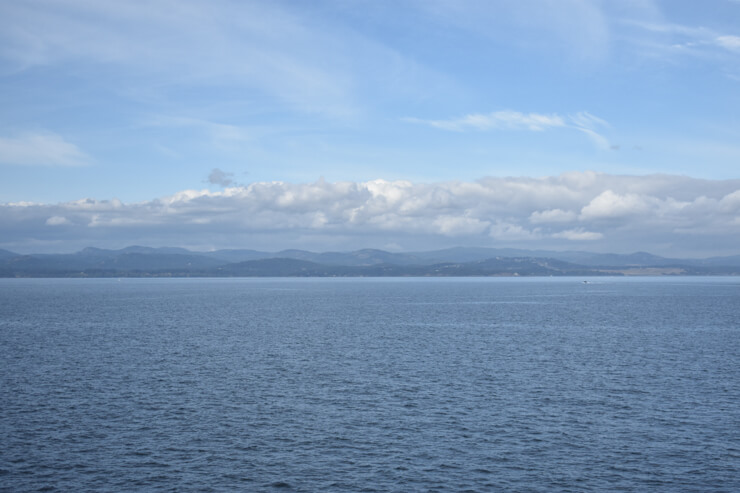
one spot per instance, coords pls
(139, 261)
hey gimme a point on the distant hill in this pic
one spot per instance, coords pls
(463, 254)
(6, 254)
(356, 258)
(141, 261)
(230, 256)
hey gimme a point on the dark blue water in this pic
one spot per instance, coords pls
(370, 385)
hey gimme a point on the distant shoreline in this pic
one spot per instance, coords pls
(144, 262)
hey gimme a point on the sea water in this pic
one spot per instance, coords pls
(479, 384)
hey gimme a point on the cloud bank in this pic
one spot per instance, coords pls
(663, 214)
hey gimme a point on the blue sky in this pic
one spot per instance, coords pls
(137, 103)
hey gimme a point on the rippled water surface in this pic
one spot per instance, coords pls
(370, 384)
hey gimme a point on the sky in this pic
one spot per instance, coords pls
(405, 125)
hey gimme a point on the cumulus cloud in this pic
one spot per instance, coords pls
(659, 213)
(451, 225)
(40, 149)
(730, 203)
(609, 205)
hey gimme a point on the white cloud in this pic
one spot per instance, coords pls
(57, 221)
(552, 216)
(40, 149)
(672, 41)
(729, 42)
(609, 205)
(599, 140)
(578, 235)
(459, 226)
(730, 203)
(610, 212)
(585, 119)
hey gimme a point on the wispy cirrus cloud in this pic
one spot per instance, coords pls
(729, 42)
(218, 130)
(671, 39)
(512, 120)
(582, 121)
(172, 44)
(291, 56)
(659, 213)
(579, 30)
(41, 149)
(219, 134)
